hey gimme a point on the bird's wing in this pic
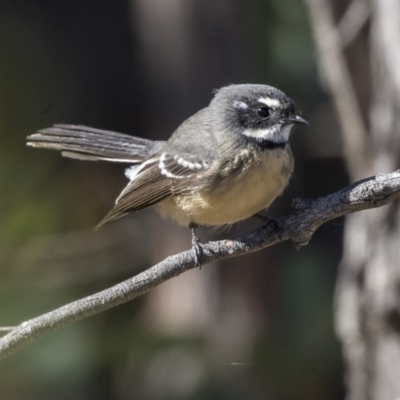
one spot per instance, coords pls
(156, 179)
(183, 165)
(84, 143)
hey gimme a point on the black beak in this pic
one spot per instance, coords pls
(296, 119)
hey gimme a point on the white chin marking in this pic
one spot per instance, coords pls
(270, 102)
(275, 134)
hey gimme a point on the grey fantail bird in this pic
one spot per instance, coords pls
(224, 164)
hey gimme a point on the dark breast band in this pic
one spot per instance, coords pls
(269, 145)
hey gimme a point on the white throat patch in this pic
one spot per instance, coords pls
(276, 134)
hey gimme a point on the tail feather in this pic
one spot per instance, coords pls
(86, 143)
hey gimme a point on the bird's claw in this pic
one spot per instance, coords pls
(197, 246)
(268, 221)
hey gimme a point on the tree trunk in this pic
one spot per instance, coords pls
(368, 288)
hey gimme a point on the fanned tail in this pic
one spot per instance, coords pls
(81, 142)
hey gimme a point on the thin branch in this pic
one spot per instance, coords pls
(7, 328)
(334, 69)
(298, 227)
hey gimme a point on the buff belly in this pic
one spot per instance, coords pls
(256, 186)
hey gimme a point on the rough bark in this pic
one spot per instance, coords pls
(368, 287)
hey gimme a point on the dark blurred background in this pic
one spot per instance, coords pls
(256, 327)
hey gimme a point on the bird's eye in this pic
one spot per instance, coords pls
(263, 112)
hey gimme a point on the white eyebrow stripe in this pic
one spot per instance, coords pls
(270, 102)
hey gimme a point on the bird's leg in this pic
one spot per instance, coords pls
(196, 244)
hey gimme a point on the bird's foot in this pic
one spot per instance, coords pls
(269, 221)
(197, 246)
